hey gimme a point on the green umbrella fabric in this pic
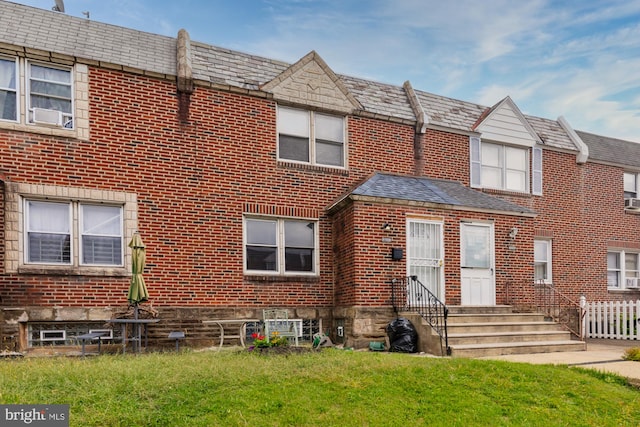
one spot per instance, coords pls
(137, 290)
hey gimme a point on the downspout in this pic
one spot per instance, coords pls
(583, 149)
(420, 130)
(184, 82)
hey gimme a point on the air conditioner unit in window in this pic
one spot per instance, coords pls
(42, 116)
(632, 203)
(632, 283)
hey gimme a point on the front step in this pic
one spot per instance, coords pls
(494, 331)
(500, 349)
(498, 330)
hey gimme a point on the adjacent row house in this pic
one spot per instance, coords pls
(256, 183)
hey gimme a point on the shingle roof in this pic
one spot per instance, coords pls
(611, 150)
(82, 38)
(85, 39)
(439, 191)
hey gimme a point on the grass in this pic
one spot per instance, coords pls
(329, 388)
(632, 354)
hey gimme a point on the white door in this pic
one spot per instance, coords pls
(425, 256)
(477, 264)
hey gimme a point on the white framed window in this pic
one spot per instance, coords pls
(280, 246)
(311, 137)
(48, 232)
(504, 167)
(9, 99)
(631, 181)
(50, 95)
(51, 234)
(623, 269)
(101, 235)
(542, 261)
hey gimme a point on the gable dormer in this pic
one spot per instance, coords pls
(311, 120)
(505, 123)
(310, 82)
(505, 156)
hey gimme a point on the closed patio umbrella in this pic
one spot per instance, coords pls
(137, 289)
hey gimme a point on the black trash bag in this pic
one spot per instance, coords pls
(403, 337)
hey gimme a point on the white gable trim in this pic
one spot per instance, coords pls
(583, 149)
(506, 124)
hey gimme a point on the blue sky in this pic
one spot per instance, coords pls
(577, 59)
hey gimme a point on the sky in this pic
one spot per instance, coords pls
(574, 58)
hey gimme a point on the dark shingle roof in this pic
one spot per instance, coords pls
(438, 191)
(611, 150)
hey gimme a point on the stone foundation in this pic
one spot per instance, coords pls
(14, 322)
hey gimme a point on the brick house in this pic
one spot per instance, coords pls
(256, 183)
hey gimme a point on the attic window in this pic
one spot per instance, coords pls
(311, 137)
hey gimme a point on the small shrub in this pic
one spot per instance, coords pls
(632, 354)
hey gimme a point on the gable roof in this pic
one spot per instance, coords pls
(310, 81)
(505, 123)
(611, 150)
(438, 193)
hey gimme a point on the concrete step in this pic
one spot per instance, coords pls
(494, 317)
(508, 337)
(480, 328)
(483, 309)
(532, 347)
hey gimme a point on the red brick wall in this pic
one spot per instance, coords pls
(446, 156)
(193, 183)
(369, 285)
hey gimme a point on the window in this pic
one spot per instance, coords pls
(50, 234)
(8, 90)
(280, 246)
(310, 137)
(542, 261)
(622, 269)
(50, 95)
(631, 185)
(504, 167)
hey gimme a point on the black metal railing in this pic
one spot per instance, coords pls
(409, 294)
(559, 307)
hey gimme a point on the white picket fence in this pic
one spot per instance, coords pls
(618, 320)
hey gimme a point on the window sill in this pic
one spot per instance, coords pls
(43, 130)
(505, 192)
(250, 278)
(312, 168)
(618, 290)
(73, 271)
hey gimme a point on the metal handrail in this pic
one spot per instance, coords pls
(560, 308)
(409, 294)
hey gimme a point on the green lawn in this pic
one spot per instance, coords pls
(328, 388)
